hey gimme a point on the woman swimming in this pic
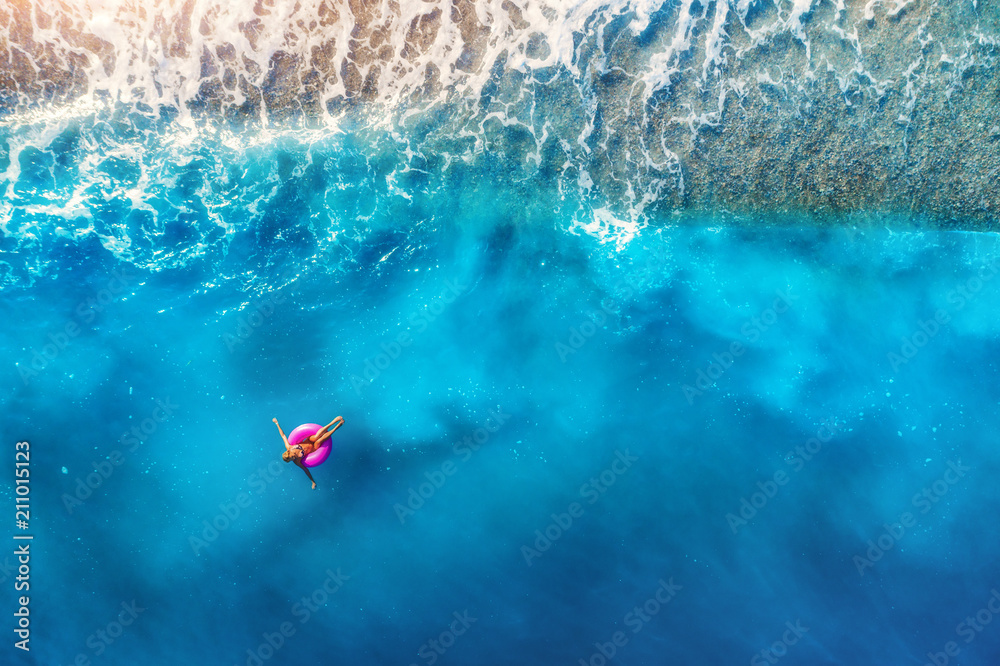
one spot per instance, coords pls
(308, 445)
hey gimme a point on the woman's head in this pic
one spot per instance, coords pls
(291, 454)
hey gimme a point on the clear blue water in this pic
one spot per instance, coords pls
(580, 428)
(606, 437)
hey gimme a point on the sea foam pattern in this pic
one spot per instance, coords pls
(620, 114)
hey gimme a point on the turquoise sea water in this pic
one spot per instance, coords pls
(542, 448)
(581, 427)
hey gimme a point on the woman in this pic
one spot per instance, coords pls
(308, 445)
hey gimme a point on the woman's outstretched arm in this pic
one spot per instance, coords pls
(285, 439)
(305, 469)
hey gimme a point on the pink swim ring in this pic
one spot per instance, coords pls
(318, 456)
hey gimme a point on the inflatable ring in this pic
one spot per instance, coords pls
(318, 456)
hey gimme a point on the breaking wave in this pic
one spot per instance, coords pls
(171, 133)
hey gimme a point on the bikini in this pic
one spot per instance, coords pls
(299, 447)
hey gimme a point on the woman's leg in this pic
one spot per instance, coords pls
(324, 433)
(327, 426)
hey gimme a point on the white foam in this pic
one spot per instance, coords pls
(606, 227)
(618, 142)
